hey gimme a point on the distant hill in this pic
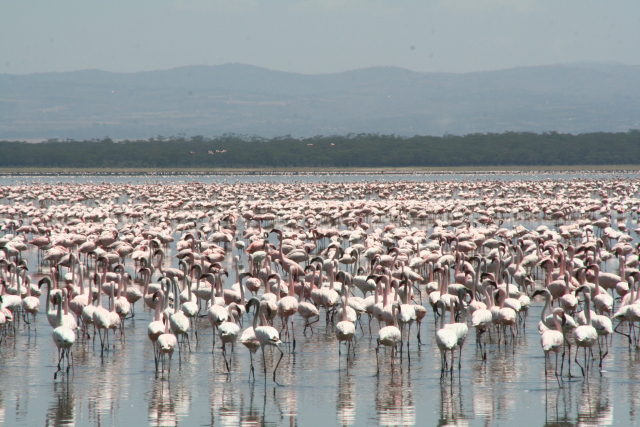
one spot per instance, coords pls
(247, 100)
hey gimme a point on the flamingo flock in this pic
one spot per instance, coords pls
(260, 264)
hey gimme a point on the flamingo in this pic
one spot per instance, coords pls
(64, 337)
(30, 304)
(229, 330)
(115, 321)
(585, 335)
(178, 321)
(406, 313)
(190, 307)
(101, 317)
(345, 330)
(287, 306)
(506, 316)
(308, 311)
(132, 294)
(602, 301)
(248, 337)
(216, 314)
(389, 336)
(460, 328)
(166, 343)
(481, 320)
(156, 327)
(551, 340)
(446, 338)
(266, 336)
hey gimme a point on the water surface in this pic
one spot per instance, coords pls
(315, 386)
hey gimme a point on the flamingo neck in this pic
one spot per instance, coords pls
(166, 325)
(100, 290)
(59, 315)
(213, 291)
(587, 302)
(394, 309)
(557, 322)
(257, 315)
(385, 294)
(242, 300)
(158, 310)
(486, 296)
(463, 313)
(291, 287)
(547, 301)
(567, 281)
(597, 281)
(48, 304)
(113, 300)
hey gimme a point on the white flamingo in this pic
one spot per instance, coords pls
(166, 343)
(585, 336)
(64, 337)
(446, 339)
(552, 340)
(389, 336)
(266, 336)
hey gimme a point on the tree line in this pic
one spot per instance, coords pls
(353, 150)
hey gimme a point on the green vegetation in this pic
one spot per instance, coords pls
(351, 151)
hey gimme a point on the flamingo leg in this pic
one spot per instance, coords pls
(155, 354)
(453, 355)
(69, 359)
(264, 362)
(408, 342)
(61, 355)
(622, 333)
(224, 354)
(251, 370)
(576, 360)
(277, 364)
(377, 358)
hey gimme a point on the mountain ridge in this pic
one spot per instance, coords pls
(245, 99)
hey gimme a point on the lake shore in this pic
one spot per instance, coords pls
(401, 170)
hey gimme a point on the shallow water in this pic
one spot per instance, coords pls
(315, 385)
(251, 177)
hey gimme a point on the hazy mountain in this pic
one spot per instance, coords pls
(242, 99)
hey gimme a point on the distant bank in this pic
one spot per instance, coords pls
(505, 151)
(304, 171)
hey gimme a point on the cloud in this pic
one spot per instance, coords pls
(479, 6)
(229, 6)
(377, 7)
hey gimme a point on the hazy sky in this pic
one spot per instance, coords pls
(314, 36)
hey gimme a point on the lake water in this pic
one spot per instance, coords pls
(316, 386)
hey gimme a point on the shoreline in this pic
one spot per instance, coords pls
(285, 170)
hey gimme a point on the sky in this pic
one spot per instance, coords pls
(314, 36)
